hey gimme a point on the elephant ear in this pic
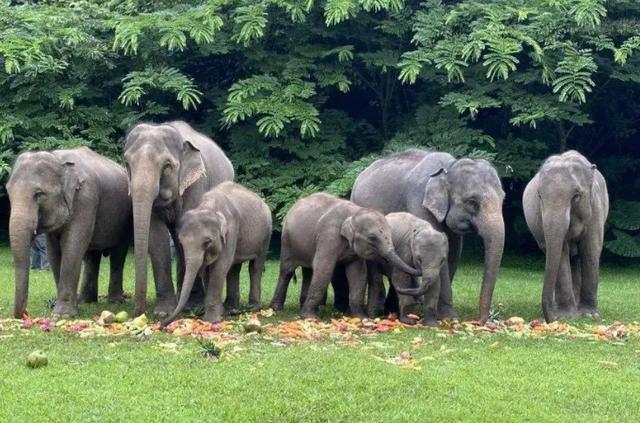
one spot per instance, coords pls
(192, 167)
(224, 228)
(347, 231)
(71, 182)
(436, 195)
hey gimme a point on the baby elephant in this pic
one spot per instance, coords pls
(426, 249)
(321, 231)
(230, 226)
(566, 205)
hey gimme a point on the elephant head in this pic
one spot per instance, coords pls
(161, 165)
(429, 250)
(564, 191)
(467, 196)
(369, 236)
(203, 237)
(41, 188)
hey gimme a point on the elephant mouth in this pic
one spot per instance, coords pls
(465, 228)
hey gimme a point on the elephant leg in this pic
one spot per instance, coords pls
(401, 279)
(391, 302)
(340, 289)
(214, 308)
(160, 253)
(73, 247)
(118, 257)
(576, 277)
(256, 267)
(565, 302)
(287, 269)
(375, 285)
(357, 277)
(445, 303)
(307, 274)
(232, 303)
(53, 252)
(324, 264)
(430, 301)
(589, 252)
(89, 288)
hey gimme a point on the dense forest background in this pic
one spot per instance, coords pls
(304, 94)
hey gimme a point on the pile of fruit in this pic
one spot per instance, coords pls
(110, 324)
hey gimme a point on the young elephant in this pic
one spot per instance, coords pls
(566, 205)
(230, 226)
(321, 231)
(80, 200)
(425, 248)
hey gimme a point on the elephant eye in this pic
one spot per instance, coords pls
(472, 203)
(38, 195)
(577, 196)
(207, 243)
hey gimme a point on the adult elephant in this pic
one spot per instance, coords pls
(566, 206)
(79, 199)
(459, 197)
(170, 167)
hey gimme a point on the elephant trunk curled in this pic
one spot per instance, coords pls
(192, 267)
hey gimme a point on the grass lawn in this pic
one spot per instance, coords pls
(484, 378)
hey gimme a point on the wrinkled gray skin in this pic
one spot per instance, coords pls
(425, 249)
(459, 197)
(80, 200)
(322, 230)
(170, 167)
(231, 225)
(566, 205)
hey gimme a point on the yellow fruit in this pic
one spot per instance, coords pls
(37, 359)
(252, 325)
(122, 317)
(107, 317)
(140, 321)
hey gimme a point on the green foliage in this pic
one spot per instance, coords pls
(625, 221)
(304, 94)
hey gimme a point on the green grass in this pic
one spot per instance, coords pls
(485, 378)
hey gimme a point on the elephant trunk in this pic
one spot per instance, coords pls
(392, 257)
(555, 226)
(192, 266)
(492, 233)
(144, 189)
(429, 278)
(22, 226)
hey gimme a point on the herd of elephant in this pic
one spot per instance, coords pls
(406, 219)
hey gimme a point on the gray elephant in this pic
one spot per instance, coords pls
(566, 205)
(231, 225)
(322, 230)
(420, 245)
(170, 167)
(459, 197)
(80, 200)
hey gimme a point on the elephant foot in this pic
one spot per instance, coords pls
(567, 313)
(164, 307)
(213, 316)
(585, 311)
(233, 311)
(429, 321)
(64, 311)
(310, 315)
(342, 308)
(276, 306)
(116, 298)
(447, 313)
(408, 320)
(255, 307)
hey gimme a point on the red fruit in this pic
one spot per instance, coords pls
(27, 323)
(392, 317)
